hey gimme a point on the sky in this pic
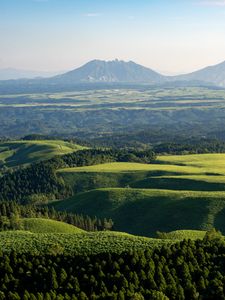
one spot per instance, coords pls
(170, 36)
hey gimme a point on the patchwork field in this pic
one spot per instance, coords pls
(102, 111)
(177, 192)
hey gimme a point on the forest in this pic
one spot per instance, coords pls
(40, 179)
(185, 270)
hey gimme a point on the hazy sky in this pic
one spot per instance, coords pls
(166, 35)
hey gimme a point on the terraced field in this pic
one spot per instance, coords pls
(25, 152)
(177, 192)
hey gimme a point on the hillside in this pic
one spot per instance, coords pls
(177, 192)
(15, 153)
(144, 211)
(40, 225)
(212, 75)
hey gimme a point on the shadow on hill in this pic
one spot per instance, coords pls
(144, 212)
(178, 184)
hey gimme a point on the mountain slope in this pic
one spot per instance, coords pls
(10, 73)
(212, 74)
(111, 71)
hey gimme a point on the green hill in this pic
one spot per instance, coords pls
(40, 225)
(17, 153)
(143, 212)
(176, 192)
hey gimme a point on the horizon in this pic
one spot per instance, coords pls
(49, 73)
(173, 36)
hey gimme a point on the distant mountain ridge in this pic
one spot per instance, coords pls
(11, 73)
(118, 71)
(115, 72)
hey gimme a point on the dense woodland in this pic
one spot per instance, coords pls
(39, 182)
(11, 214)
(186, 270)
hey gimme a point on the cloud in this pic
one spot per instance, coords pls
(213, 3)
(92, 15)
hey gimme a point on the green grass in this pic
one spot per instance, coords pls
(40, 225)
(177, 192)
(134, 167)
(25, 152)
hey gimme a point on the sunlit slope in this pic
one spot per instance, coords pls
(145, 211)
(40, 225)
(203, 172)
(24, 152)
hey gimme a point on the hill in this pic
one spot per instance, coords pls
(177, 192)
(40, 225)
(145, 211)
(15, 153)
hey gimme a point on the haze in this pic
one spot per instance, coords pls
(167, 35)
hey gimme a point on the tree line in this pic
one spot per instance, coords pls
(186, 270)
(39, 182)
(11, 214)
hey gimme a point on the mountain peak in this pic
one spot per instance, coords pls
(112, 71)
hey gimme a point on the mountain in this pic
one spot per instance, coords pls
(213, 75)
(110, 71)
(10, 73)
(97, 73)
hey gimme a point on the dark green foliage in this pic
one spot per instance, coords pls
(11, 213)
(186, 270)
(39, 181)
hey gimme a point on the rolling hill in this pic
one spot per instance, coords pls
(145, 211)
(40, 225)
(177, 192)
(15, 153)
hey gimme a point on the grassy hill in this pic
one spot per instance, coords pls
(40, 225)
(144, 211)
(25, 152)
(177, 192)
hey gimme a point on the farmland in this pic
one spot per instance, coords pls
(104, 111)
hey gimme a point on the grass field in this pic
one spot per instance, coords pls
(24, 152)
(40, 225)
